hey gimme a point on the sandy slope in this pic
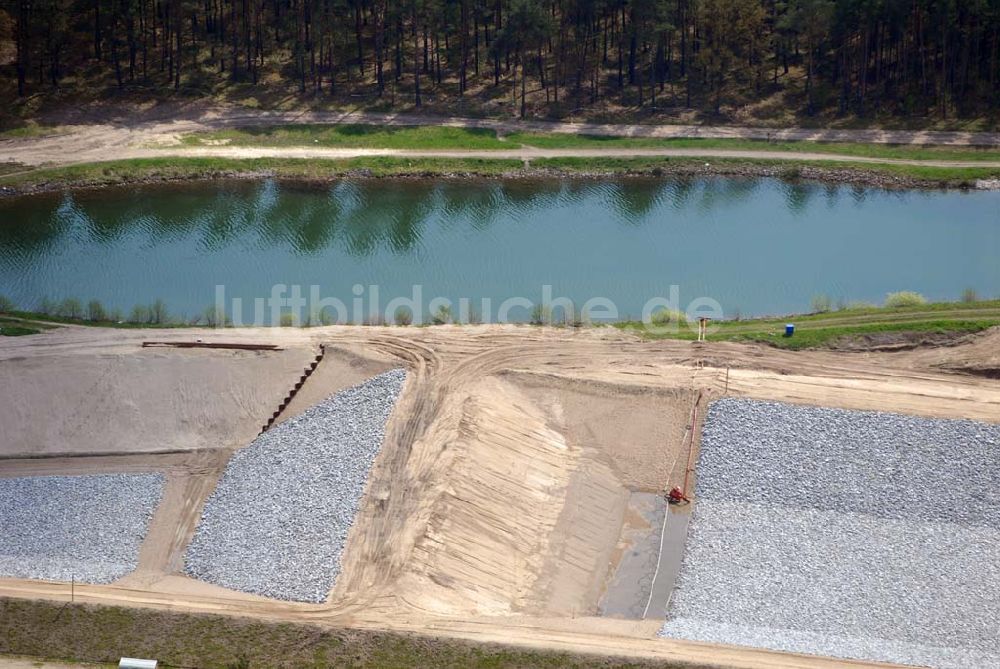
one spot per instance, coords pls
(139, 400)
(494, 508)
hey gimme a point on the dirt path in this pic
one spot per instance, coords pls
(133, 136)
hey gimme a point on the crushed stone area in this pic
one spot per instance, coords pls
(278, 520)
(854, 534)
(83, 528)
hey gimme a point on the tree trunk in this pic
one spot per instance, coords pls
(524, 78)
(416, 60)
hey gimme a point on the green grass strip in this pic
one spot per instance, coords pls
(351, 136)
(101, 634)
(840, 327)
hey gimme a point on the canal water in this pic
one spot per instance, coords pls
(756, 246)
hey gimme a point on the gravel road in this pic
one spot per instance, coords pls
(855, 534)
(84, 527)
(277, 523)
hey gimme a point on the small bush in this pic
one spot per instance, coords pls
(140, 314)
(47, 307)
(968, 295)
(286, 320)
(95, 311)
(861, 304)
(70, 308)
(6, 304)
(158, 313)
(403, 316)
(904, 298)
(215, 317)
(793, 173)
(540, 315)
(442, 315)
(326, 318)
(821, 304)
(668, 317)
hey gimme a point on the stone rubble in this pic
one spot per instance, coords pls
(278, 520)
(856, 534)
(83, 528)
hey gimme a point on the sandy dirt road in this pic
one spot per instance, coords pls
(475, 523)
(112, 135)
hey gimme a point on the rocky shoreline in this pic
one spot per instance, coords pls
(789, 172)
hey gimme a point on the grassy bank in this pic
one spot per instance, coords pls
(432, 137)
(171, 168)
(178, 168)
(102, 634)
(913, 175)
(862, 326)
(847, 328)
(14, 327)
(885, 151)
(352, 136)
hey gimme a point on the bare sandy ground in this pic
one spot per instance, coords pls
(114, 136)
(138, 400)
(495, 508)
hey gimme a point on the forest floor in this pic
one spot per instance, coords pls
(36, 153)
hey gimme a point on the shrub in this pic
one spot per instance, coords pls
(158, 313)
(140, 314)
(442, 315)
(70, 308)
(215, 317)
(968, 295)
(325, 317)
(116, 315)
(286, 320)
(95, 311)
(403, 316)
(793, 173)
(47, 307)
(861, 304)
(540, 315)
(668, 317)
(821, 304)
(6, 304)
(904, 298)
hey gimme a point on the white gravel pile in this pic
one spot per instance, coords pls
(278, 520)
(87, 528)
(854, 534)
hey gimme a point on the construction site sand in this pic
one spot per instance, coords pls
(143, 400)
(494, 509)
